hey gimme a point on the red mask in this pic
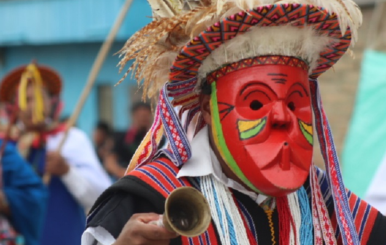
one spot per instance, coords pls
(262, 126)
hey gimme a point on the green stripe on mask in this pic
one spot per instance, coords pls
(220, 141)
(309, 137)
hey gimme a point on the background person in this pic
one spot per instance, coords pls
(32, 93)
(102, 140)
(126, 143)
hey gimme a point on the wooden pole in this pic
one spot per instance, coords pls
(93, 75)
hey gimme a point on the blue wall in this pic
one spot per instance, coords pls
(63, 21)
(74, 62)
(67, 35)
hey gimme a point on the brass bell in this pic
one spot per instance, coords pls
(186, 212)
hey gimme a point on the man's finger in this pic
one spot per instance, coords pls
(146, 217)
(151, 231)
(154, 232)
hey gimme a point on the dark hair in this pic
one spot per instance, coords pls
(138, 105)
(205, 87)
(103, 126)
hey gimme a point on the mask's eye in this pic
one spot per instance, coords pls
(291, 106)
(255, 105)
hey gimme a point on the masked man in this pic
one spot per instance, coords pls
(249, 73)
(77, 178)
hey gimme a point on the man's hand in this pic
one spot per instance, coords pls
(140, 230)
(112, 166)
(55, 164)
(4, 208)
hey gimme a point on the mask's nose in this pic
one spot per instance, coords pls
(280, 117)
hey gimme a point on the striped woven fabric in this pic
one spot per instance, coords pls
(364, 218)
(363, 214)
(161, 175)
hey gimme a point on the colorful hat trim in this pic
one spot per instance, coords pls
(256, 61)
(189, 60)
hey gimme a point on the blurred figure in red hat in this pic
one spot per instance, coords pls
(32, 97)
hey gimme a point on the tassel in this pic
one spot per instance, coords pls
(224, 212)
(251, 230)
(32, 74)
(39, 104)
(22, 92)
(306, 222)
(341, 206)
(322, 223)
(269, 213)
(294, 206)
(284, 220)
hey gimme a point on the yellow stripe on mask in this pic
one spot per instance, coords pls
(247, 125)
(307, 127)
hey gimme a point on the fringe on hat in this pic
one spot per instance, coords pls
(305, 44)
(155, 47)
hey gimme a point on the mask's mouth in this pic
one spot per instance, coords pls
(286, 179)
(283, 165)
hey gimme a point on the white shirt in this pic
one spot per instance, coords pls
(86, 179)
(203, 162)
(376, 193)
